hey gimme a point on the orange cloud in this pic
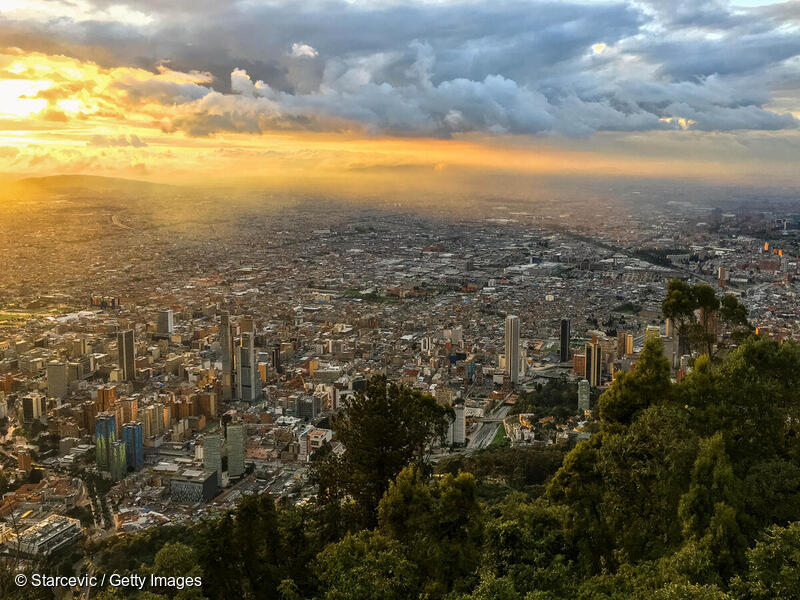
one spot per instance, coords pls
(60, 114)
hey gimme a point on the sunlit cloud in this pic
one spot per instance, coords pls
(154, 89)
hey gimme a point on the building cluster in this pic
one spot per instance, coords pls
(187, 377)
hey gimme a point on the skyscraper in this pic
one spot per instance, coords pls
(57, 379)
(248, 381)
(118, 462)
(33, 407)
(459, 425)
(594, 363)
(584, 395)
(512, 347)
(621, 343)
(276, 358)
(226, 349)
(106, 397)
(134, 451)
(105, 434)
(565, 336)
(127, 354)
(166, 322)
(236, 446)
(212, 455)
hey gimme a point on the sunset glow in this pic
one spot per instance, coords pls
(67, 112)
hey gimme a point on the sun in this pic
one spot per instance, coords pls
(18, 97)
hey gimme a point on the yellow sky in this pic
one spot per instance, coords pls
(62, 115)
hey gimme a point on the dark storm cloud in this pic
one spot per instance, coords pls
(438, 69)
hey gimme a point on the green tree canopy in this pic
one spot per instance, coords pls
(384, 429)
(648, 384)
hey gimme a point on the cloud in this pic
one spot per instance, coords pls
(417, 68)
(104, 141)
(300, 50)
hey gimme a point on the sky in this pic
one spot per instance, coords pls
(189, 90)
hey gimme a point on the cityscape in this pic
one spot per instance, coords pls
(399, 320)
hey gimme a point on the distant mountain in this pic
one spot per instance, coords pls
(89, 182)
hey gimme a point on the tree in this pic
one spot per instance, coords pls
(708, 303)
(732, 312)
(709, 514)
(679, 306)
(255, 530)
(773, 571)
(758, 410)
(365, 566)
(384, 428)
(712, 482)
(630, 393)
(176, 560)
(527, 544)
(771, 492)
(578, 484)
(682, 591)
(644, 470)
(493, 588)
(218, 558)
(440, 523)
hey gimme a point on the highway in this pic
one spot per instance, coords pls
(485, 432)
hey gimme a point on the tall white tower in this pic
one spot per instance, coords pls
(512, 347)
(248, 382)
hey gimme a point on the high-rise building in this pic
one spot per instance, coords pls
(33, 407)
(134, 451)
(57, 379)
(624, 344)
(212, 455)
(276, 358)
(154, 419)
(105, 434)
(118, 462)
(512, 348)
(106, 397)
(584, 395)
(24, 462)
(226, 350)
(236, 447)
(206, 404)
(127, 354)
(247, 325)
(459, 425)
(78, 348)
(565, 337)
(130, 409)
(621, 337)
(166, 322)
(594, 363)
(248, 381)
